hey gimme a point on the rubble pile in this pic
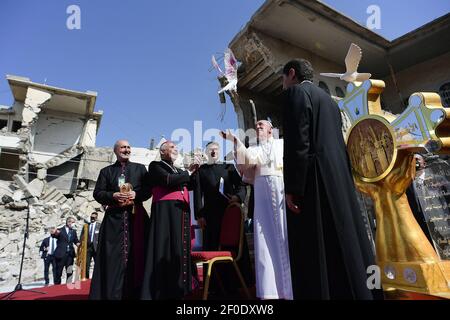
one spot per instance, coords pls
(43, 215)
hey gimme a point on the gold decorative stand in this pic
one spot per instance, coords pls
(82, 255)
(381, 148)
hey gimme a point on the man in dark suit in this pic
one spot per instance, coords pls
(65, 252)
(92, 240)
(47, 251)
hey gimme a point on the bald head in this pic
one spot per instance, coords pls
(122, 150)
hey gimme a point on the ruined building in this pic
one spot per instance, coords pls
(48, 155)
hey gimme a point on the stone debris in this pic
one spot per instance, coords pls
(43, 215)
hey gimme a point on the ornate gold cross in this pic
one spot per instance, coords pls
(381, 147)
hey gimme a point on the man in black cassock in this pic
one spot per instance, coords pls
(330, 249)
(168, 269)
(209, 202)
(118, 269)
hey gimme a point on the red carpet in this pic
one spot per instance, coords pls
(80, 291)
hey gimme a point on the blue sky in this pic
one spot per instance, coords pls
(149, 61)
(397, 16)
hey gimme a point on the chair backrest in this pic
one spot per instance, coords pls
(232, 229)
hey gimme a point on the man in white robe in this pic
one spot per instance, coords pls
(262, 166)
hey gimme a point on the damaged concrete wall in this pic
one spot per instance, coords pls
(34, 100)
(64, 177)
(92, 161)
(54, 134)
(90, 134)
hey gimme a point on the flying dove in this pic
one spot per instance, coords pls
(230, 71)
(352, 60)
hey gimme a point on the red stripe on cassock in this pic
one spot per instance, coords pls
(164, 194)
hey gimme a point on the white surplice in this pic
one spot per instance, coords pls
(262, 166)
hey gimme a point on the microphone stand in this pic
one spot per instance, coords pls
(19, 286)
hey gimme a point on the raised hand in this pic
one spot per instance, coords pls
(193, 167)
(228, 136)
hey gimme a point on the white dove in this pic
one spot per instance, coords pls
(352, 60)
(230, 71)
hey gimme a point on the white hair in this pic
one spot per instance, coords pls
(212, 143)
(164, 145)
(116, 144)
(266, 122)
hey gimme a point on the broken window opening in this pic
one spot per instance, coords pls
(10, 164)
(3, 123)
(16, 125)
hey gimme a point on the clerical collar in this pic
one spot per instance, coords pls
(268, 140)
(169, 162)
(306, 81)
(170, 165)
(122, 164)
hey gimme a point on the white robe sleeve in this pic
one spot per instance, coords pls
(246, 161)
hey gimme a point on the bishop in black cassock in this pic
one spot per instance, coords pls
(168, 254)
(118, 269)
(330, 249)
